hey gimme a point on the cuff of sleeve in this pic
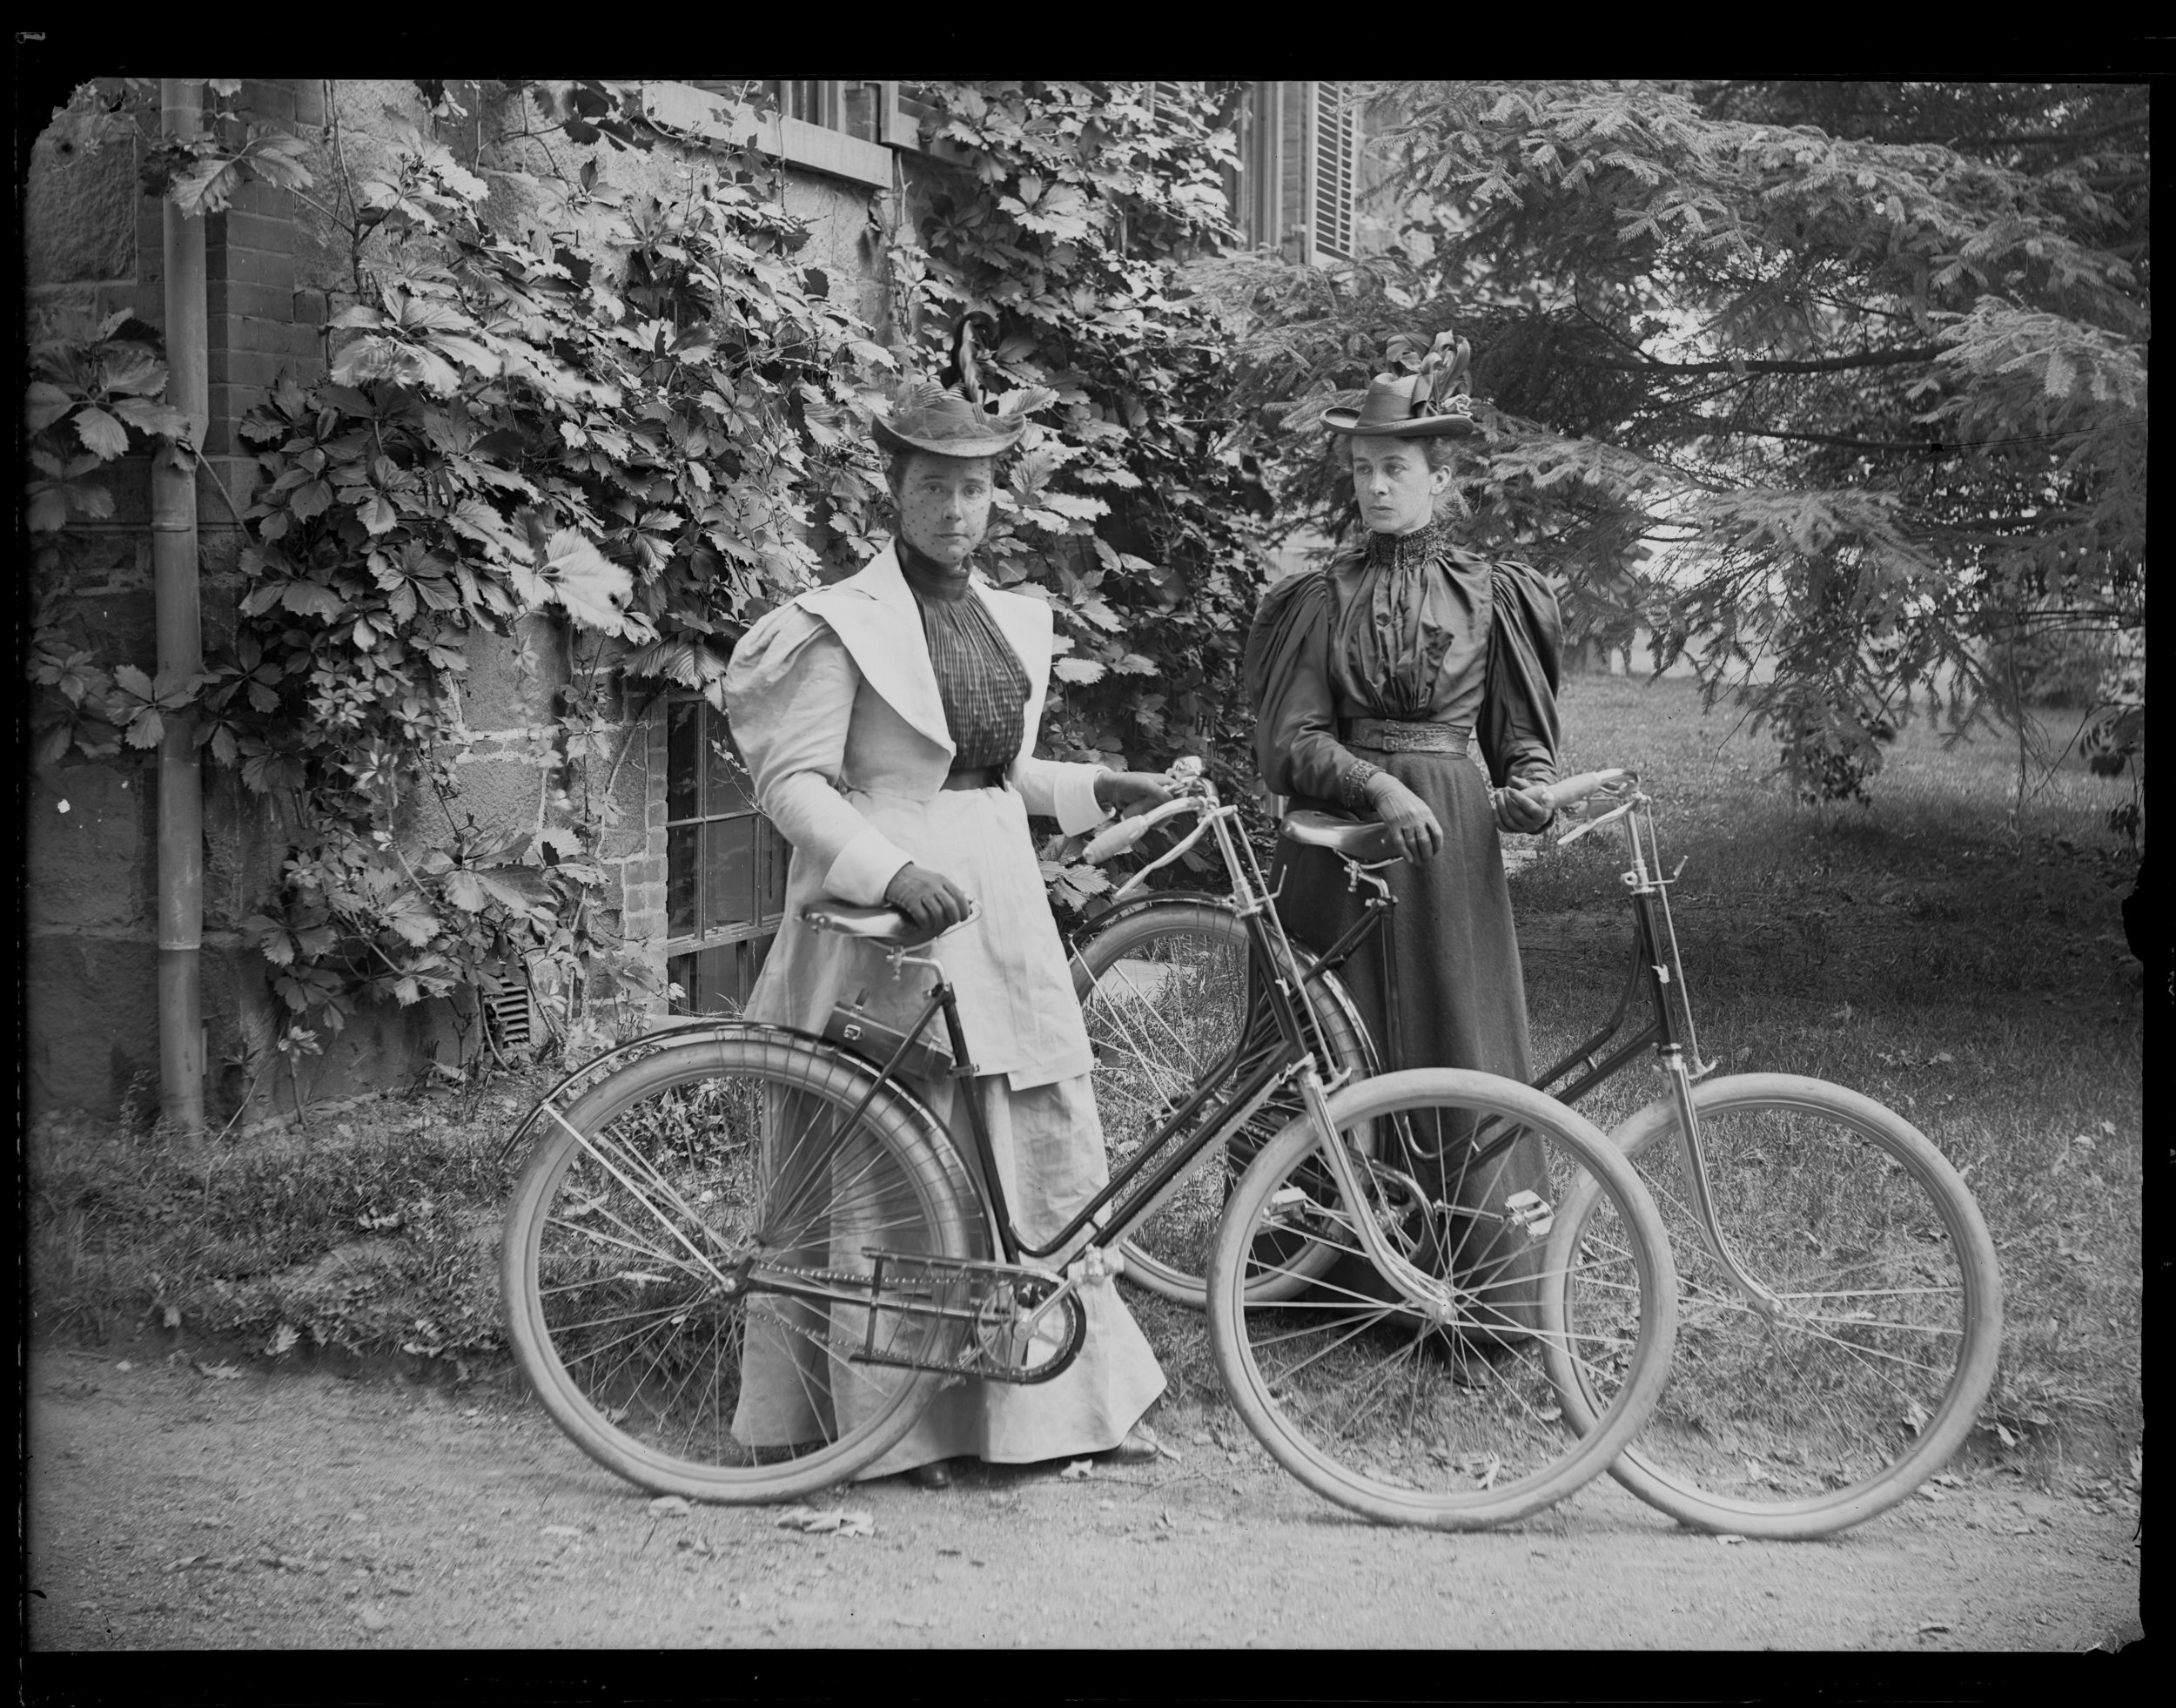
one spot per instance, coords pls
(864, 868)
(1073, 793)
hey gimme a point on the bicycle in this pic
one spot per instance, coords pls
(731, 1197)
(1842, 1307)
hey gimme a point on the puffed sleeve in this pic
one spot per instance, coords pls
(1518, 714)
(789, 694)
(1287, 674)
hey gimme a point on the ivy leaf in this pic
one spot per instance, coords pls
(102, 435)
(44, 404)
(592, 589)
(204, 188)
(158, 420)
(377, 515)
(464, 892)
(312, 599)
(411, 917)
(1081, 670)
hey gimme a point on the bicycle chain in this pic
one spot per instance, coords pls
(970, 1362)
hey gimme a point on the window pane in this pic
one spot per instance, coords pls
(727, 779)
(683, 756)
(862, 101)
(777, 851)
(680, 879)
(728, 873)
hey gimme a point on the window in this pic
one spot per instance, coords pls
(1295, 187)
(725, 863)
(845, 129)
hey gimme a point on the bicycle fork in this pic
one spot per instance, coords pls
(1649, 889)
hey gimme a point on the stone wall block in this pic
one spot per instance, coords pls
(90, 842)
(79, 214)
(92, 1026)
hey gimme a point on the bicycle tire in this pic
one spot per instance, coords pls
(1450, 1419)
(1166, 990)
(1849, 1403)
(613, 1278)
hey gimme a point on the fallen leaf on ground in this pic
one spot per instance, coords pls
(216, 1372)
(1730, 1540)
(125, 1365)
(75, 1390)
(372, 1618)
(562, 1529)
(1079, 1469)
(837, 1522)
(1933, 1625)
(665, 1503)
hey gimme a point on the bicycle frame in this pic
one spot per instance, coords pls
(1656, 968)
(1156, 1170)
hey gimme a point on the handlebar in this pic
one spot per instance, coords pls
(1574, 790)
(1115, 839)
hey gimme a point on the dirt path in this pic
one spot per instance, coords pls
(268, 1509)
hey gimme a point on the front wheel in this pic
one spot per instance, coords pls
(643, 1229)
(1801, 1419)
(1432, 1402)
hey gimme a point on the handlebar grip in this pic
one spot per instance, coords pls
(1573, 789)
(1115, 840)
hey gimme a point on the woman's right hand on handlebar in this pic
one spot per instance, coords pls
(1414, 830)
(929, 898)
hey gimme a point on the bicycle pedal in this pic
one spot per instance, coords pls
(1530, 1211)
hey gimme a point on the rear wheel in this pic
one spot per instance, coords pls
(1430, 1399)
(1171, 1006)
(1870, 1373)
(628, 1248)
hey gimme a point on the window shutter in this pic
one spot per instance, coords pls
(1336, 167)
(1163, 101)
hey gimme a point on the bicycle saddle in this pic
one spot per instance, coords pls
(1355, 838)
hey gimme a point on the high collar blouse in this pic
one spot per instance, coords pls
(980, 682)
(1411, 628)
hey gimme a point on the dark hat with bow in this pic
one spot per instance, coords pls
(1430, 403)
(952, 420)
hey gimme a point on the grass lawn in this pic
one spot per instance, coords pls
(1962, 964)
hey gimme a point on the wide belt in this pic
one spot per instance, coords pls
(1386, 734)
(976, 776)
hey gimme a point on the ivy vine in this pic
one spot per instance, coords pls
(645, 418)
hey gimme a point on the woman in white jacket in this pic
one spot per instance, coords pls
(890, 721)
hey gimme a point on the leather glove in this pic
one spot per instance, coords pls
(929, 898)
(1414, 830)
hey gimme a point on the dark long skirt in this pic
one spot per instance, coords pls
(1461, 1003)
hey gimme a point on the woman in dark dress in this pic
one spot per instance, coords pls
(1373, 678)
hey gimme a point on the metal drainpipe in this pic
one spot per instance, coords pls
(174, 579)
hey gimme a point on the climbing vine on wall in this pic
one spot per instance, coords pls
(1068, 214)
(644, 417)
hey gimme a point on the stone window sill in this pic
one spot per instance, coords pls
(691, 111)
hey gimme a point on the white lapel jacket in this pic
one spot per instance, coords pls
(835, 707)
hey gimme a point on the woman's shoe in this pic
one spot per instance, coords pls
(937, 1474)
(1139, 1448)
